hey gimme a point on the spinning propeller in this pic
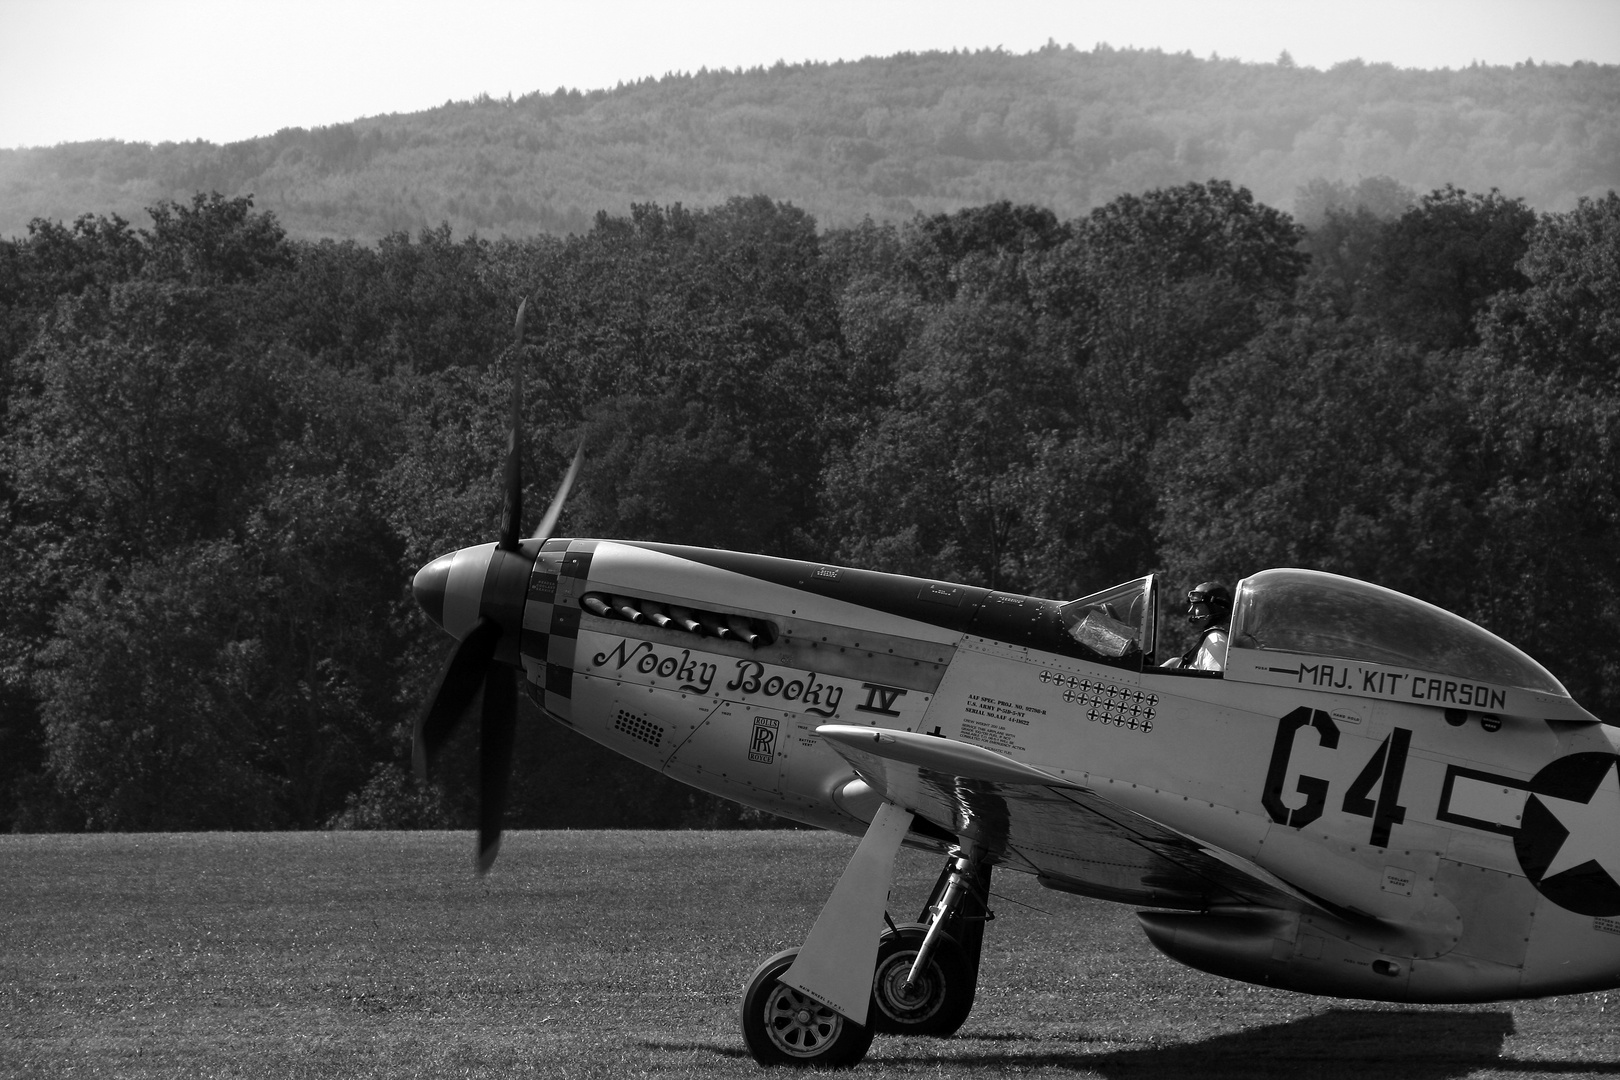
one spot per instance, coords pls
(477, 595)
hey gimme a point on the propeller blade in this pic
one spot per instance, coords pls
(512, 508)
(457, 686)
(495, 741)
(554, 511)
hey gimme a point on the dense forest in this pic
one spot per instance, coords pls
(882, 138)
(225, 451)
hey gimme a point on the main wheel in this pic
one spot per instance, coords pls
(784, 1027)
(938, 1003)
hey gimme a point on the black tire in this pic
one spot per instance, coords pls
(940, 1002)
(784, 1027)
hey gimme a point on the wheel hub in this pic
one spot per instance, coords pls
(798, 1025)
(905, 1001)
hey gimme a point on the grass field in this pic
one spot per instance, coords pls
(622, 954)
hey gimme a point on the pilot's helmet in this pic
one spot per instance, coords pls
(1209, 604)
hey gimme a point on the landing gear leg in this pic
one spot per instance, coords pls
(928, 971)
(810, 1006)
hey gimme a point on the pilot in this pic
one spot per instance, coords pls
(1209, 610)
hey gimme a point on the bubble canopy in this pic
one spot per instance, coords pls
(1319, 614)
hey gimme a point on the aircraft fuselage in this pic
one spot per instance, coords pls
(1432, 840)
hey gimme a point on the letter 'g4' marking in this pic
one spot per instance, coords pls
(1386, 768)
(1313, 788)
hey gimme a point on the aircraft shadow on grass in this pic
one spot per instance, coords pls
(1340, 1044)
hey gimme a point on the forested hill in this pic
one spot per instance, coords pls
(887, 138)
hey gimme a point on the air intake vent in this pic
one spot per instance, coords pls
(743, 628)
(637, 728)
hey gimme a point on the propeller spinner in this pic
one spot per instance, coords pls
(476, 594)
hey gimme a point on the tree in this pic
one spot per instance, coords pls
(1567, 318)
(704, 345)
(1153, 288)
(1442, 262)
(1308, 448)
(932, 486)
(439, 305)
(1197, 230)
(57, 261)
(1539, 558)
(54, 263)
(132, 429)
(937, 247)
(1031, 378)
(929, 482)
(324, 569)
(177, 472)
(1152, 292)
(213, 242)
(147, 689)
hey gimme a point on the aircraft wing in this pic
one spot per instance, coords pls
(1070, 836)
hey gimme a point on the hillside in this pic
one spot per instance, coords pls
(885, 138)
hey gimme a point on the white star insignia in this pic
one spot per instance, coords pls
(1594, 828)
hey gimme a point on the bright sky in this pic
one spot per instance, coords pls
(225, 70)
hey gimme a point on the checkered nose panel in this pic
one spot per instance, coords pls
(551, 623)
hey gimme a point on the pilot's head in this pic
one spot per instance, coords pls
(1209, 604)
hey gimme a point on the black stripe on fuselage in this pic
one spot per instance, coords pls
(1027, 621)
